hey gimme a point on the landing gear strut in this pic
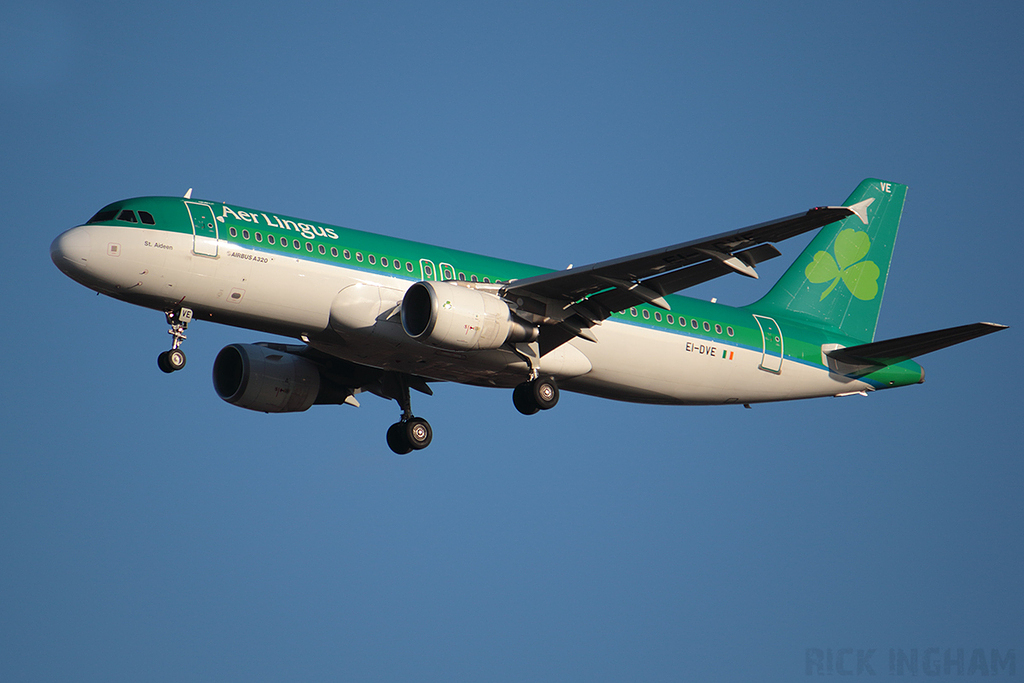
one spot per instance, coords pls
(410, 433)
(174, 359)
(536, 395)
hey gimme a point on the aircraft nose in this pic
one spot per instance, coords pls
(70, 251)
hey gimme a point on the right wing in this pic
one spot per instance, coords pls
(568, 302)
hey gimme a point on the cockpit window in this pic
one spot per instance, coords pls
(103, 216)
(126, 215)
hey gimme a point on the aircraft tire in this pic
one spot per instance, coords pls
(544, 392)
(397, 440)
(163, 363)
(418, 433)
(522, 399)
(175, 359)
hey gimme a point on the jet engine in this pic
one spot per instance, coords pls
(454, 317)
(260, 378)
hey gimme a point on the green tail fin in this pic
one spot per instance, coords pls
(839, 279)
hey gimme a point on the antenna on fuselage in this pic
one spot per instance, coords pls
(188, 195)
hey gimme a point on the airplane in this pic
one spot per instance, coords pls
(385, 315)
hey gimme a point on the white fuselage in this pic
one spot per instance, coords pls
(353, 315)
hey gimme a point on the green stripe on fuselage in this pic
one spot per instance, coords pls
(801, 342)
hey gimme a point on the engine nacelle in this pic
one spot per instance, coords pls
(453, 317)
(258, 378)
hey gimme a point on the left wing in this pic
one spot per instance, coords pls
(568, 302)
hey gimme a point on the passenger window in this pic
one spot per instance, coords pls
(233, 232)
(384, 261)
(372, 259)
(693, 323)
(347, 254)
(147, 217)
(729, 331)
(334, 252)
(632, 311)
(323, 249)
(707, 326)
(670, 319)
(472, 278)
(259, 237)
(647, 314)
(270, 238)
(657, 316)
(297, 244)
(245, 234)
(408, 266)
(487, 279)
(359, 256)
(309, 247)
(462, 276)
(718, 329)
(128, 216)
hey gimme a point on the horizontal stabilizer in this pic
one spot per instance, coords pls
(900, 349)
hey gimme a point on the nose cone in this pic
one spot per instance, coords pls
(70, 251)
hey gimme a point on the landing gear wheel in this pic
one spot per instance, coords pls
(171, 361)
(545, 392)
(163, 363)
(176, 359)
(418, 433)
(397, 440)
(522, 399)
(536, 395)
(409, 435)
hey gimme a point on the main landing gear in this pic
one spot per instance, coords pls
(174, 359)
(536, 395)
(410, 433)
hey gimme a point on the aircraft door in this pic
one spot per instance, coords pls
(447, 272)
(771, 337)
(427, 270)
(204, 229)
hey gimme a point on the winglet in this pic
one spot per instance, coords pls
(860, 209)
(188, 195)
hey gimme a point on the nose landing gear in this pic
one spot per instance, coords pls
(174, 359)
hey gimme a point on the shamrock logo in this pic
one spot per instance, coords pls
(860, 277)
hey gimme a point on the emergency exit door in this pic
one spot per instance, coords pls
(204, 229)
(771, 338)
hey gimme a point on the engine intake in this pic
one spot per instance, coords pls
(259, 378)
(453, 317)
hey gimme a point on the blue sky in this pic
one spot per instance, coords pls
(150, 531)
